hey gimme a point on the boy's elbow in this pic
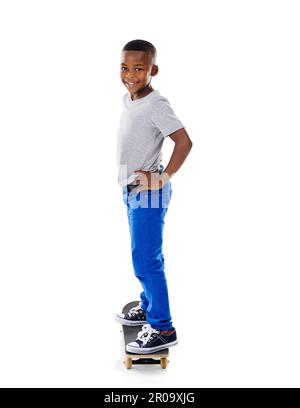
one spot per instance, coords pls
(188, 141)
(187, 145)
(190, 144)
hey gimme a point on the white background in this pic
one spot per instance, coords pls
(230, 70)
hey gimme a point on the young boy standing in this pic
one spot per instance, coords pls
(147, 119)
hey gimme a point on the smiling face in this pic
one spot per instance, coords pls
(137, 70)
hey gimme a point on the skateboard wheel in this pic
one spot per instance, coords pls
(164, 362)
(128, 362)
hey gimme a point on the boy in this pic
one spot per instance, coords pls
(147, 118)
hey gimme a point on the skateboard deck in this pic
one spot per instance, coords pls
(129, 334)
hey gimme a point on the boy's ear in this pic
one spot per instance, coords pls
(154, 70)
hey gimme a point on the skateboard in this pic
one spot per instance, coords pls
(129, 334)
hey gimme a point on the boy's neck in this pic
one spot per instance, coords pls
(141, 93)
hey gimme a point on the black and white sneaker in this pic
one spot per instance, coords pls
(135, 317)
(150, 340)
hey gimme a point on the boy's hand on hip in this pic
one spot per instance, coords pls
(147, 180)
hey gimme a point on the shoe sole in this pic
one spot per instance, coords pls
(137, 350)
(125, 322)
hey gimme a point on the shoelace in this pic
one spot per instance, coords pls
(147, 333)
(134, 311)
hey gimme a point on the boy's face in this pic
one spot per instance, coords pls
(137, 69)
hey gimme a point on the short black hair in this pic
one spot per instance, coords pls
(141, 45)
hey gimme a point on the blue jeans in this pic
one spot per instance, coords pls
(146, 212)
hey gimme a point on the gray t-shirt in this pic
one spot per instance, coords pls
(143, 126)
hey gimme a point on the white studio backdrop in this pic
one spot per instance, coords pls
(230, 70)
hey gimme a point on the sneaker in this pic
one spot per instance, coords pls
(150, 340)
(135, 317)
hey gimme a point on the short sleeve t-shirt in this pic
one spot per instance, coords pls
(144, 124)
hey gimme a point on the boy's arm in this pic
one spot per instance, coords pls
(182, 148)
(153, 181)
